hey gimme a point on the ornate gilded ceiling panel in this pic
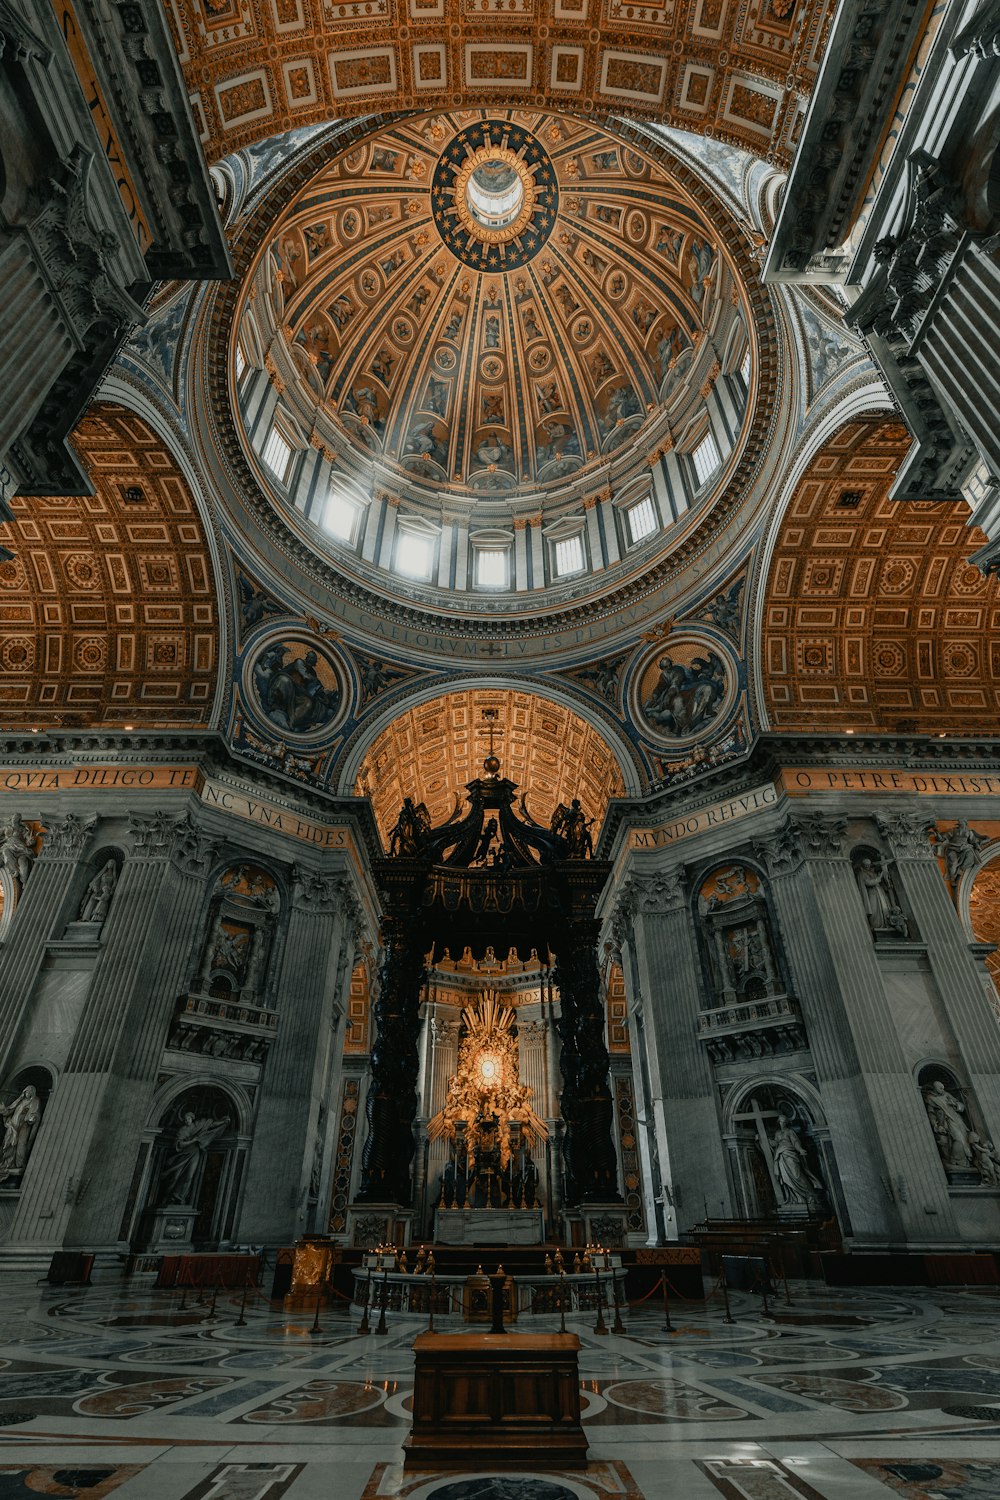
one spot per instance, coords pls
(873, 619)
(107, 610)
(431, 752)
(739, 72)
(492, 301)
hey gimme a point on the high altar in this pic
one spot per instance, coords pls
(488, 1187)
(489, 1115)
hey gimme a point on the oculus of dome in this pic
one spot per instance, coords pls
(494, 196)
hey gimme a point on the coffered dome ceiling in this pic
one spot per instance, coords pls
(494, 303)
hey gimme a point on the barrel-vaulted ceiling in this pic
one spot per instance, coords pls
(873, 617)
(432, 751)
(740, 70)
(108, 611)
(518, 356)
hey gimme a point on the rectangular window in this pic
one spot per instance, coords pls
(277, 454)
(745, 368)
(341, 517)
(492, 567)
(706, 458)
(569, 556)
(414, 554)
(641, 520)
(241, 364)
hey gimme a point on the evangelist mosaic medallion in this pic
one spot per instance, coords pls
(494, 196)
(296, 686)
(684, 689)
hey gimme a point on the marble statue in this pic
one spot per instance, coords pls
(947, 1117)
(961, 846)
(17, 850)
(884, 915)
(985, 1159)
(97, 897)
(20, 1121)
(797, 1183)
(190, 1146)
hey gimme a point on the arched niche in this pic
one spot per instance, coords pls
(22, 1105)
(780, 1155)
(191, 1165)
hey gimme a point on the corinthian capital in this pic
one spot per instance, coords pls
(659, 893)
(907, 834)
(821, 835)
(314, 892)
(194, 849)
(153, 837)
(67, 838)
(782, 852)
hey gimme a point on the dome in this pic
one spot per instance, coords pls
(496, 316)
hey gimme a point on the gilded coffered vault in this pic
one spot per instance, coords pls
(740, 73)
(873, 617)
(432, 751)
(109, 610)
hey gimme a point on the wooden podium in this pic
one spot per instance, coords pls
(509, 1400)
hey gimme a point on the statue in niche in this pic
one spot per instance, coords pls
(960, 846)
(686, 697)
(292, 694)
(20, 1123)
(791, 1169)
(951, 1132)
(17, 851)
(881, 906)
(255, 966)
(985, 1159)
(181, 1167)
(97, 897)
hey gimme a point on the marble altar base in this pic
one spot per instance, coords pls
(489, 1226)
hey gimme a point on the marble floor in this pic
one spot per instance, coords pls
(840, 1395)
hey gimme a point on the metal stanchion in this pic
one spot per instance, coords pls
(725, 1297)
(600, 1326)
(364, 1326)
(617, 1326)
(241, 1321)
(319, 1301)
(381, 1328)
(784, 1271)
(668, 1327)
(430, 1321)
(211, 1310)
(562, 1301)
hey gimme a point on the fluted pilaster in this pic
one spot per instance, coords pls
(320, 922)
(967, 1013)
(681, 1086)
(73, 1182)
(39, 915)
(892, 1183)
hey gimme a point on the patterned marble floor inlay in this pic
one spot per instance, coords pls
(845, 1394)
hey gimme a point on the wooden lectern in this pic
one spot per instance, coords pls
(508, 1400)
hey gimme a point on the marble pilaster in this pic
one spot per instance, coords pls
(320, 923)
(41, 909)
(967, 1013)
(73, 1184)
(682, 1089)
(891, 1181)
